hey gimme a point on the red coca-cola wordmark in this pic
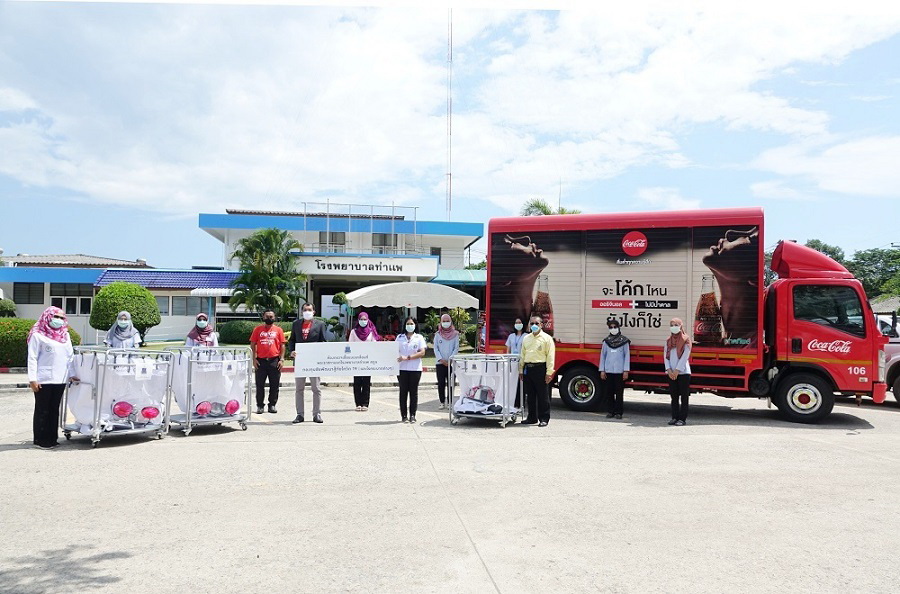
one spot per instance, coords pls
(634, 243)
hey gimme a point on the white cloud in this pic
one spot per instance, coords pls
(777, 190)
(863, 167)
(186, 108)
(666, 199)
(870, 98)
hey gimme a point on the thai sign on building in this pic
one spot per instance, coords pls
(344, 265)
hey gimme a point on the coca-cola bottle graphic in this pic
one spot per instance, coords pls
(708, 329)
(542, 305)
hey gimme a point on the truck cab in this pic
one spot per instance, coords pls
(890, 327)
(821, 335)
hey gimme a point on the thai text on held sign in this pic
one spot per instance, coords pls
(317, 359)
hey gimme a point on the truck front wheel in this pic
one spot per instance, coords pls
(804, 398)
(580, 389)
(896, 389)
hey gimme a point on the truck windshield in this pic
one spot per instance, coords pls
(832, 306)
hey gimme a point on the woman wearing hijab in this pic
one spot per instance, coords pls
(123, 334)
(446, 344)
(411, 347)
(364, 331)
(49, 367)
(675, 355)
(615, 363)
(202, 334)
(514, 347)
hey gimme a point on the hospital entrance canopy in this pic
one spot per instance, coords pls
(411, 295)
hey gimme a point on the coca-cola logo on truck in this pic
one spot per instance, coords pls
(835, 346)
(634, 243)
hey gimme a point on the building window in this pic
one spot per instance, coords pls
(163, 304)
(436, 251)
(28, 293)
(73, 298)
(187, 306)
(384, 243)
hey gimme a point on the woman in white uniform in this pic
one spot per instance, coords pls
(49, 367)
(123, 334)
(202, 333)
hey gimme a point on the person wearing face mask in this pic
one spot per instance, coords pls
(536, 371)
(362, 384)
(514, 347)
(202, 333)
(123, 334)
(50, 365)
(412, 348)
(446, 344)
(303, 331)
(267, 345)
(615, 363)
(675, 355)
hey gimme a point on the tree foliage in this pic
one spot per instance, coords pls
(269, 277)
(538, 206)
(480, 266)
(13, 341)
(7, 308)
(119, 296)
(832, 251)
(876, 269)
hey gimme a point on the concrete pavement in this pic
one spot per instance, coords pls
(737, 500)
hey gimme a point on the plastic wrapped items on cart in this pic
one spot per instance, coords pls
(209, 383)
(131, 390)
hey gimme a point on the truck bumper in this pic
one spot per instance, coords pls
(879, 390)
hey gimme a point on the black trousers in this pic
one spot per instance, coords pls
(537, 392)
(409, 388)
(267, 370)
(615, 392)
(443, 372)
(46, 414)
(362, 387)
(680, 389)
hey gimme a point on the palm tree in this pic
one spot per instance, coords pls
(269, 277)
(537, 206)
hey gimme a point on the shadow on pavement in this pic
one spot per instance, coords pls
(58, 570)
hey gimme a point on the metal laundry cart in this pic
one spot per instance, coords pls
(211, 386)
(120, 392)
(487, 387)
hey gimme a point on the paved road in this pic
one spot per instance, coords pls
(738, 500)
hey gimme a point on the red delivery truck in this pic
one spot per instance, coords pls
(806, 337)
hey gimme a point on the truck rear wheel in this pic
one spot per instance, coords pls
(896, 390)
(580, 388)
(804, 398)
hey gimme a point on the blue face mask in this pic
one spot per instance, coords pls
(123, 323)
(202, 323)
(56, 323)
(535, 328)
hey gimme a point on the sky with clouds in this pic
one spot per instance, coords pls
(120, 122)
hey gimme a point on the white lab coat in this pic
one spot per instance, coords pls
(49, 361)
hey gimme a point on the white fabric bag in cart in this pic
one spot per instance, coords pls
(482, 389)
(216, 378)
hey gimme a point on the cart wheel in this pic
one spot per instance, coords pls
(503, 424)
(159, 436)
(68, 435)
(454, 420)
(219, 424)
(187, 432)
(94, 444)
(243, 426)
(513, 419)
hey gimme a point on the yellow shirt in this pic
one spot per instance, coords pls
(538, 349)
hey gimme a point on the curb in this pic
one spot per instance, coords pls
(13, 370)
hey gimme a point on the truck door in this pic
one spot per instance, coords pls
(828, 330)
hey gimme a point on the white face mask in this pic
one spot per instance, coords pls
(307, 315)
(363, 323)
(202, 323)
(123, 323)
(446, 324)
(56, 323)
(410, 328)
(519, 326)
(674, 329)
(613, 331)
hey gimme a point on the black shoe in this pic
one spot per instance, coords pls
(403, 420)
(679, 423)
(260, 410)
(610, 415)
(412, 420)
(618, 416)
(272, 409)
(673, 421)
(542, 424)
(529, 422)
(317, 419)
(297, 419)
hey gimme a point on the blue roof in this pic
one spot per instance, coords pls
(359, 224)
(461, 278)
(41, 274)
(170, 279)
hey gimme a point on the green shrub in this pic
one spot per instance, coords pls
(7, 308)
(134, 299)
(471, 334)
(13, 345)
(239, 331)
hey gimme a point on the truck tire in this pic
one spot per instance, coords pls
(580, 389)
(896, 390)
(804, 398)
